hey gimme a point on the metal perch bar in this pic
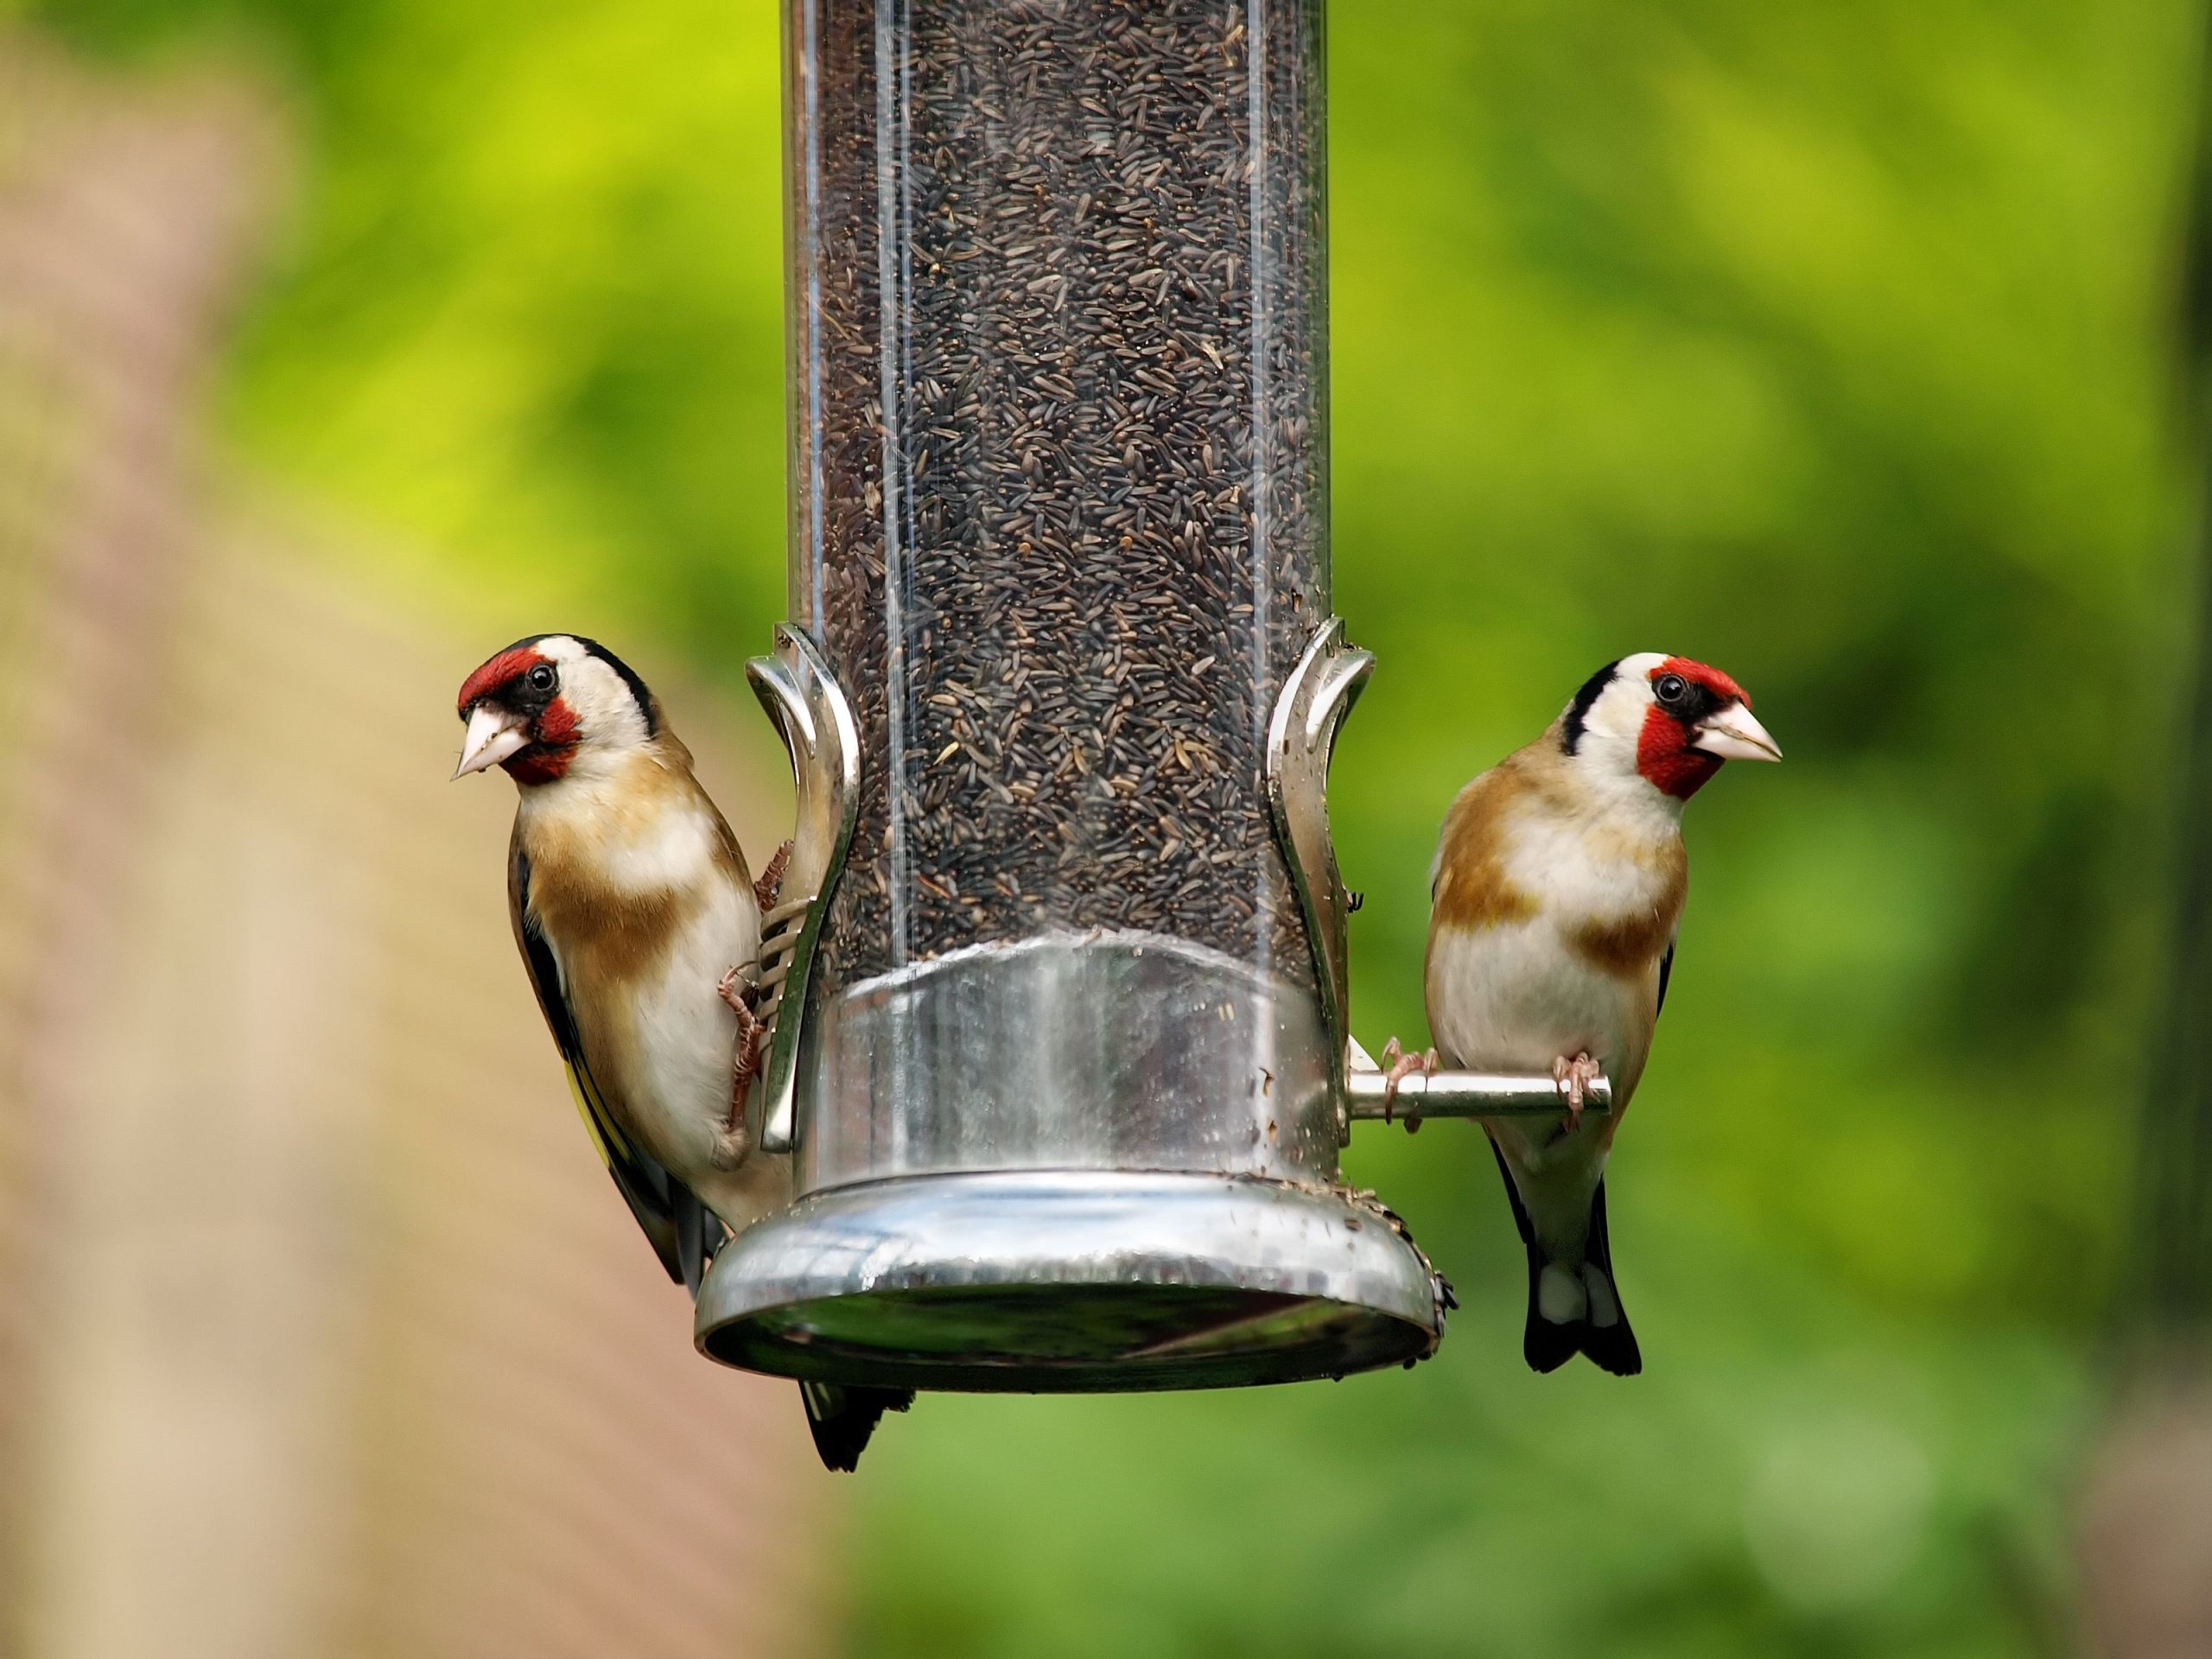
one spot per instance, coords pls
(1460, 1093)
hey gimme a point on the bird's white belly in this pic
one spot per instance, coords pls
(1514, 998)
(678, 1086)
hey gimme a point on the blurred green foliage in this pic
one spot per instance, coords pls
(1828, 343)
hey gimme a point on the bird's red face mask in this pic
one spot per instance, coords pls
(516, 718)
(1698, 717)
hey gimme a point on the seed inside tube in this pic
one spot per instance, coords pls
(1056, 505)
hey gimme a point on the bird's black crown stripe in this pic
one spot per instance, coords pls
(1578, 712)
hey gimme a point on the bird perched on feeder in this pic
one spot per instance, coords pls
(640, 928)
(1558, 886)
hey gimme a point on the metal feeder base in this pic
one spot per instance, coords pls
(1069, 1281)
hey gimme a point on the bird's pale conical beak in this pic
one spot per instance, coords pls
(1734, 736)
(493, 734)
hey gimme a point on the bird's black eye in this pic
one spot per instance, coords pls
(541, 677)
(1670, 688)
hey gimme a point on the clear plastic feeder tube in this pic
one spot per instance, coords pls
(1065, 1103)
(1060, 529)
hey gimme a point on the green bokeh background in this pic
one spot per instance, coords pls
(1828, 343)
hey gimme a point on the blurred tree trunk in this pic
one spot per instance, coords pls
(2146, 1537)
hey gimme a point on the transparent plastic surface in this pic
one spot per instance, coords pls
(1065, 1100)
(1060, 527)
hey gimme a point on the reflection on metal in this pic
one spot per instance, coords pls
(1066, 1051)
(1315, 699)
(1075, 1161)
(1071, 1280)
(803, 696)
(1460, 1093)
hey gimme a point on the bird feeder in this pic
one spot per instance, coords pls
(1060, 1048)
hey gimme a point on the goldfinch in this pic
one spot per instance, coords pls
(1555, 895)
(640, 926)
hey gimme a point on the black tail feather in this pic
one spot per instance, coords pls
(699, 1233)
(1546, 1344)
(1610, 1347)
(842, 1419)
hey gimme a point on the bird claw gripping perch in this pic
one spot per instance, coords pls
(1574, 1078)
(770, 882)
(742, 988)
(796, 686)
(738, 990)
(1398, 1064)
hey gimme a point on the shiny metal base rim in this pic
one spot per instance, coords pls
(1070, 1281)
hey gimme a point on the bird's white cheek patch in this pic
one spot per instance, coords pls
(1559, 1296)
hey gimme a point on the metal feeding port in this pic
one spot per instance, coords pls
(1061, 1052)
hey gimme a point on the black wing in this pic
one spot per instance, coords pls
(842, 1418)
(1666, 972)
(684, 1232)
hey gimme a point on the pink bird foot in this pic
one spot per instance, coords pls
(771, 882)
(751, 1029)
(1575, 1077)
(1397, 1066)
